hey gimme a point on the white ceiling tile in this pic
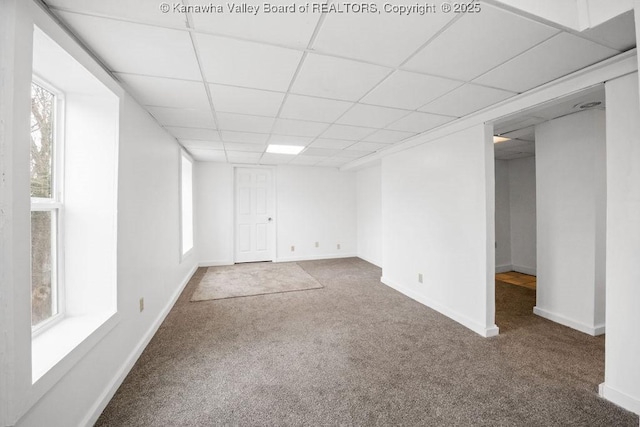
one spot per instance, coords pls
(333, 162)
(290, 140)
(419, 122)
(319, 152)
(386, 136)
(289, 29)
(237, 146)
(244, 137)
(162, 92)
(371, 116)
(230, 99)
(244, 123)
(135, 48)
(304, 161)
(184, 117)
(316, 109)
(618, 33)
(408, 90)
(206, 155)
(139, 10)
(383, 38)
(336, 78)
(298, 127)
(352, 154)
(243, 157)
(465, 100)
(331, 143)
(240, 63)
(193, 133)
(352, 133)
(194, 143)
(557, 57)
(368, 146)
(478, 42)
(275, 159)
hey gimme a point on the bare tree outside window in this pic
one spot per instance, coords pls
(43, 221)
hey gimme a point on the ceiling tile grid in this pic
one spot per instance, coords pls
(341, 85)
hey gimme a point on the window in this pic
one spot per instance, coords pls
(46, 205)
(186, 194)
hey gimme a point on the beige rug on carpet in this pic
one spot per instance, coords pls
(243, 280)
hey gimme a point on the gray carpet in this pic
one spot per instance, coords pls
(359, 353)
(250, 279)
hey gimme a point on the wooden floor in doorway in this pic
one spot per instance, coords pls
(518, 279)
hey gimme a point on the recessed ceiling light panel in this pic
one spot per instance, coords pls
(284, 149)
(499, 139)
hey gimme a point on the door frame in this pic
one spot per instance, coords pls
(273, 233)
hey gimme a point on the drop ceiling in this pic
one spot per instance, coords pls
(520, 127)
(344, 86)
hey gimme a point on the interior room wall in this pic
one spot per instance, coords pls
(369, 185)
(313, 205)
(437, 217)
(522, 205)
(622, 376)
(570, 220)
(503, 217)
(148, 256)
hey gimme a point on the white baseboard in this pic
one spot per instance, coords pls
(619, 398)
(524, 270)
(504, 268)
(102, 402)
(313, 257)
(215, 263)
(478, 328)
(370, 261)
(573, 324)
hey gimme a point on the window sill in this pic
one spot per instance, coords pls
(60, 347)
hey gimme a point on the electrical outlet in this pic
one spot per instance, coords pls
(141, 305)
(317, 244)
(293, 248)
(338, 245)
(420, 278)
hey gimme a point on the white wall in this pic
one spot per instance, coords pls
(437, 216)
(522, 199)
(622, 375)
(503, 217)
(148, 247)
(213, 183)
(313, 205)
(369, 185)
(570, 159)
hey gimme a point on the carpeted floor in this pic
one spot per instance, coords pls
(359, 353)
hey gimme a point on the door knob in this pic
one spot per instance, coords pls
(270, 219)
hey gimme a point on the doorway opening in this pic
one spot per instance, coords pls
(550, 212)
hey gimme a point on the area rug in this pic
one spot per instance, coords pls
(242, 280)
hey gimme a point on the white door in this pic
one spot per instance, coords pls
(255, 225)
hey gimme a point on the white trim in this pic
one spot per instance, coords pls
(314, 257)
(619, 398)
(476, 327)
(215, 263)
(504, 268)
(369, 260)
(524, 270)
(570, 323)
(101, 403)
